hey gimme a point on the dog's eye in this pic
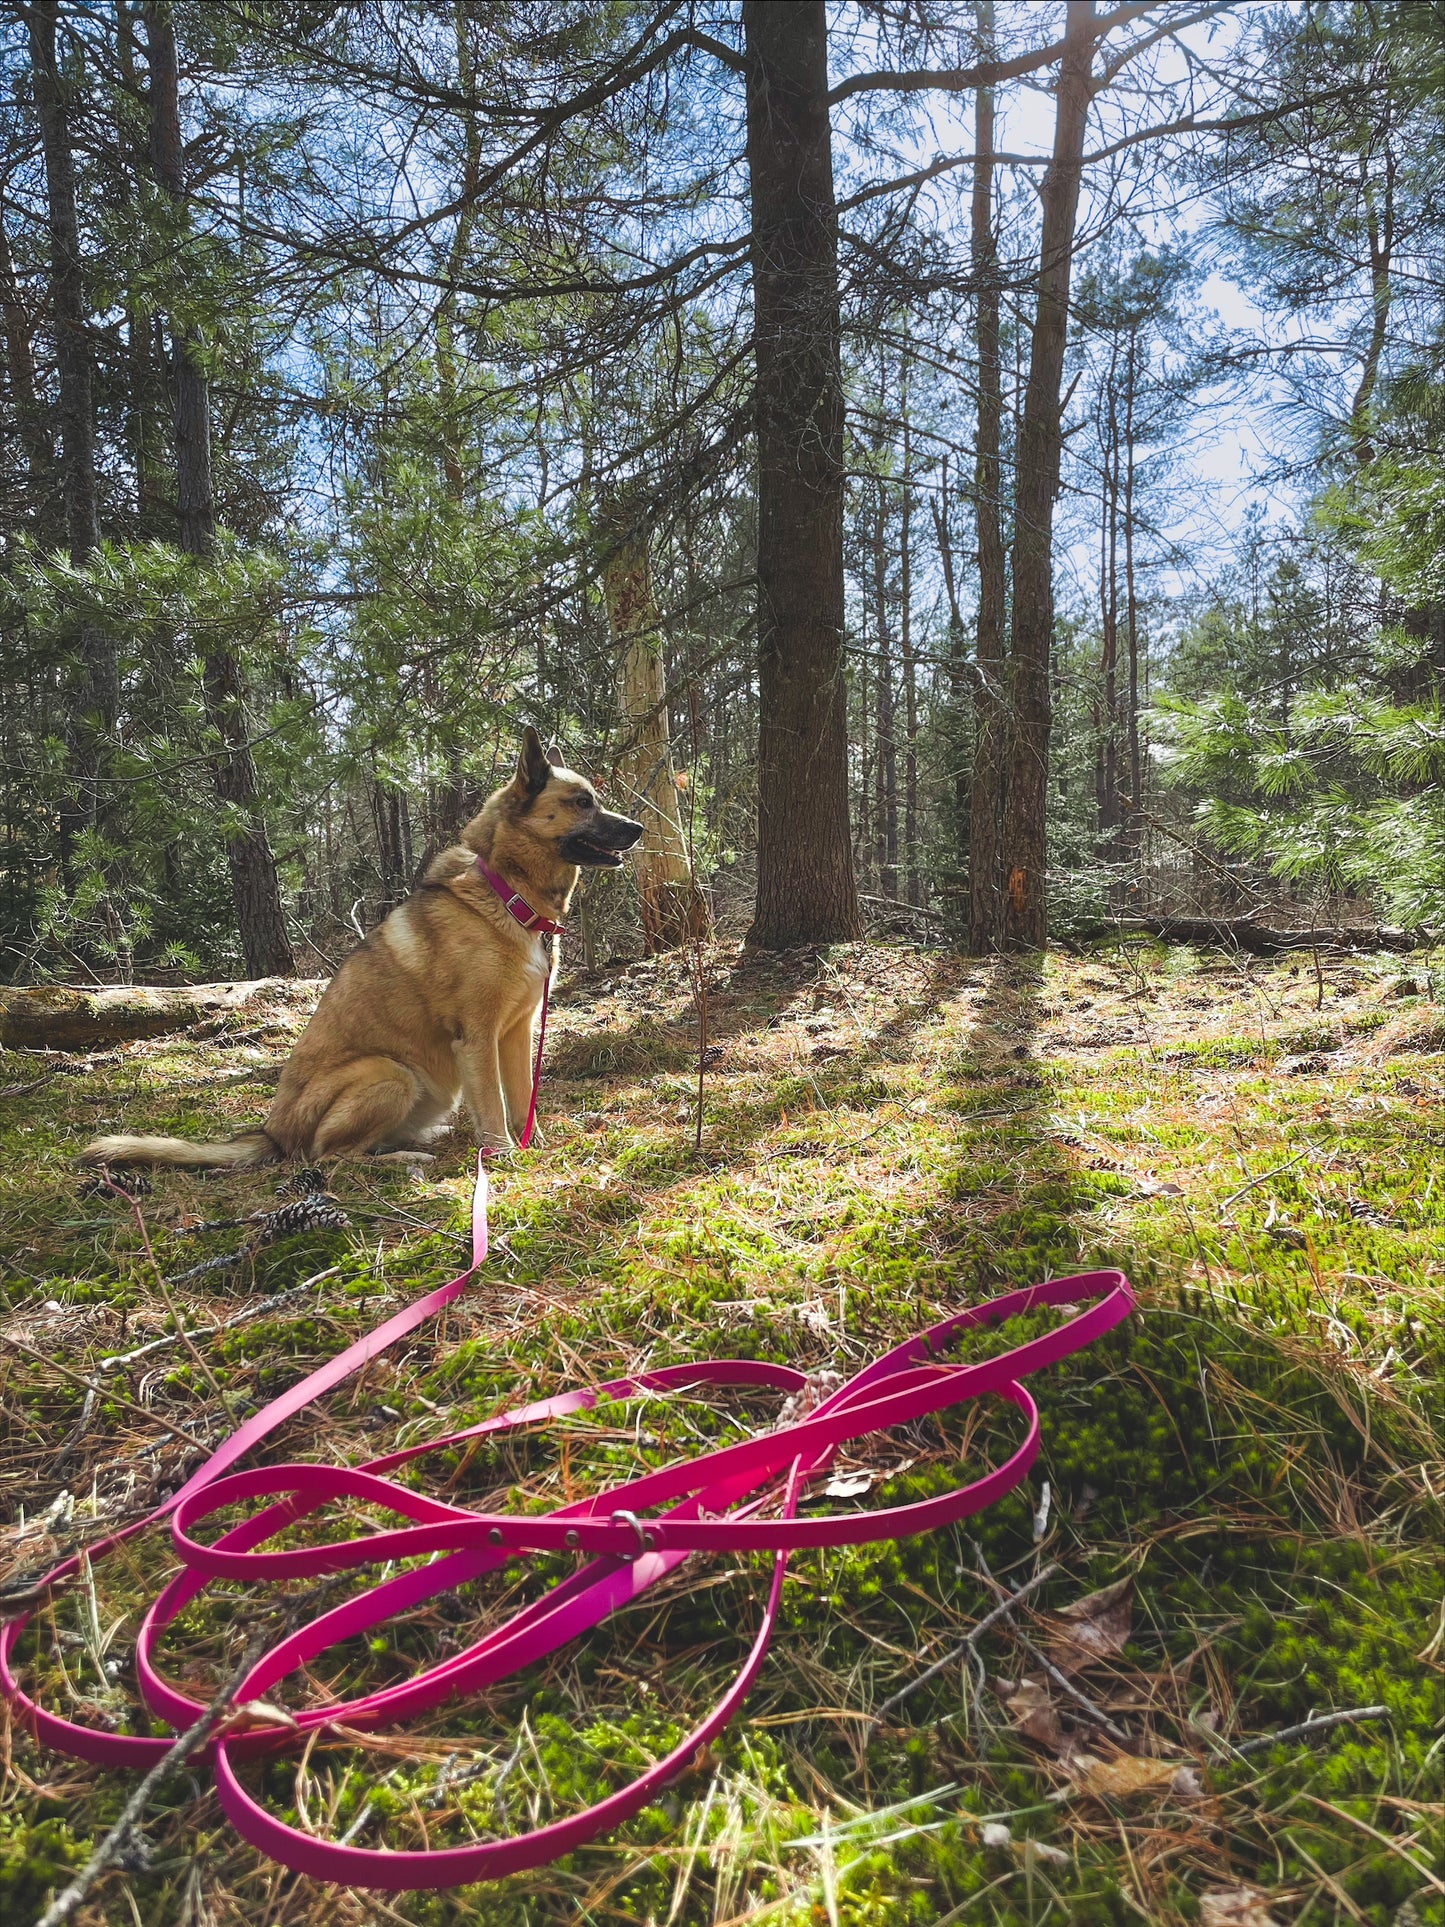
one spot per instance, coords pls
(582, 802)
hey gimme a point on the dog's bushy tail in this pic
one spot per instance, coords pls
(241, 1153)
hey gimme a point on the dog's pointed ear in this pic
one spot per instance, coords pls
(533, 768)
(554, 754)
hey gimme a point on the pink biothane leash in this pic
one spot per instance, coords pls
(738, 1498)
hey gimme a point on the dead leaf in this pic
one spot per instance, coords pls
(1041, 1850)
(1034, 1714)
(849, 1485)
(1236, 1907)
(1124, 1774)
(260, 1713)
(1093, 1628)
(1187, 1785)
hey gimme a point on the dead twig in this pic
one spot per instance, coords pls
(1263, 1178)
(116, 1842)
(1095, 1714)
(1354, 1716)
(960, 1651)
(119, 1360)
(24, 1090)
(101, 1391)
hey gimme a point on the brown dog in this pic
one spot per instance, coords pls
(440, 1001)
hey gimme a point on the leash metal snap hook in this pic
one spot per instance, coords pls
(645, 1540)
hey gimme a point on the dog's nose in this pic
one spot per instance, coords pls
(632, 830)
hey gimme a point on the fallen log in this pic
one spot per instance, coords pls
(1259, 939)
(61, 1017)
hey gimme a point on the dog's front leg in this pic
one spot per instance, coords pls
(517, 1046)
(481, 1074)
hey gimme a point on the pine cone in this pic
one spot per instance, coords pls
(318, 1211)
(135, 1184)
(302, 1183)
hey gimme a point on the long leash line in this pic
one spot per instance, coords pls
(713, 1502)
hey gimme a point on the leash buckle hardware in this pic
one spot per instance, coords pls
(645, 1540)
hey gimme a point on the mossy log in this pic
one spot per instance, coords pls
(1260, 940)
(60, 1017)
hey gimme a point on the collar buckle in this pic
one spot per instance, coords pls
(516, 905)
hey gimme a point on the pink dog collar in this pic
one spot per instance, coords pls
(517, 906)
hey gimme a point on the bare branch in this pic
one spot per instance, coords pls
(987, 73)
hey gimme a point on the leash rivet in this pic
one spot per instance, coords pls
(574, 1538)
(495, 1535)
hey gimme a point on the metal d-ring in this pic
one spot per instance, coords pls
(645, 1540)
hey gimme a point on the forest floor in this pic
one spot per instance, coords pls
(1253, 1467)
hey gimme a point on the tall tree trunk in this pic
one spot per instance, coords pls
(388, 820)
(30, 426)
(886, 770)
(1026, 806)
(807, 892)
(863, 837)
(1109, 618)
(255, 886)
(145, 377)
(1380, 230)
(95, 701)
(673, 908)
(452, 802)
(451, 438)
(986, 802)
(1134, 821)
(958, 666)
(910, 671)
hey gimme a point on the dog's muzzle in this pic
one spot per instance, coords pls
(601, 844)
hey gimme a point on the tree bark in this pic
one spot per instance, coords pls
(446, 359)
(30, 426)
(255, 886)
(94, 703)
(958, 664)
(145, 352)
(806, 892)
(985, 812)
(1026, 806)
(1108, 796)
(1380, 229)
(673, 908)
(910, 669)
(885, 852)
(1133, 837)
